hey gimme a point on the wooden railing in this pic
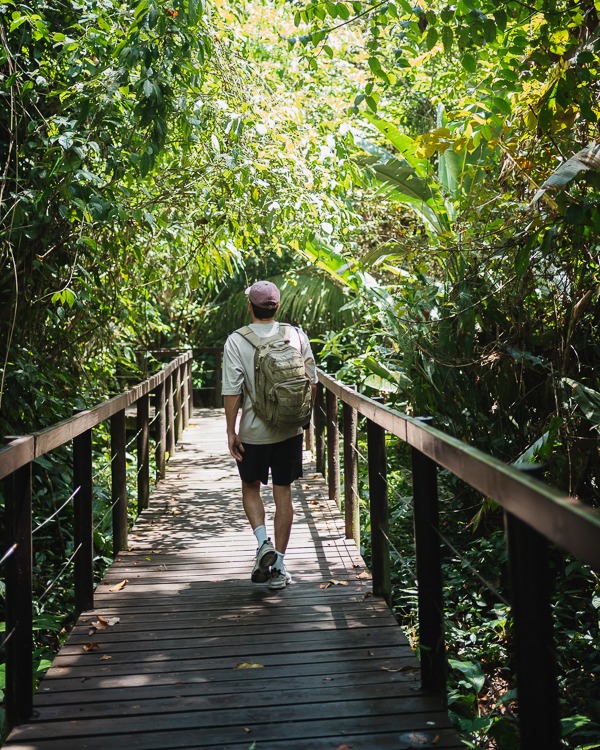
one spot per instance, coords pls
(172, 399)
(535, 515)
(208, 361)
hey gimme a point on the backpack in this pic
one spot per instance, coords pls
(283, 389)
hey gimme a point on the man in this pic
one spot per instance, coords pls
(259, 446)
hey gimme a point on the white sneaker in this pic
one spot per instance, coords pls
(265, 557)
(279, 579)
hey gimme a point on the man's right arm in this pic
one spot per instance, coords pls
(232, 406)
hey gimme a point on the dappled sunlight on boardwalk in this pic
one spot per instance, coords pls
(196, 656)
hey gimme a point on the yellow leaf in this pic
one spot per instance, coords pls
(249, 665)
(106, 657)
(119, 586)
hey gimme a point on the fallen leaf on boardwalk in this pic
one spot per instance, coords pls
(119, 586)
(333, 582)
(370, 653)
(436, 740)
(344, 747)
(367, 594)
(149, 558)
(405, 668)
(247, 730)
(91, 646)
(98, 625)
(306, 486)
(364, 574)
(415, 738)
(248, 665)
(106, 657)
(327, 679)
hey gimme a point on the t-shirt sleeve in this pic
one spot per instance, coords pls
(309, 359)
(233, 372)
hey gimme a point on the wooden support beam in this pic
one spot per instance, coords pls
(83, 521)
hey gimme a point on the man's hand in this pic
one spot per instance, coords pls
(235, 445)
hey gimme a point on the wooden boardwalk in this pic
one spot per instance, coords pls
(180, 668)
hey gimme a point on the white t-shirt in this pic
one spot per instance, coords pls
(238, 377)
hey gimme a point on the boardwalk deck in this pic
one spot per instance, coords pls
(336, 671)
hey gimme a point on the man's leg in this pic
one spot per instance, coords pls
(253, 504)
(284, 515)
(255, 512)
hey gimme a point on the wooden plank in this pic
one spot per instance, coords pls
(335, 666)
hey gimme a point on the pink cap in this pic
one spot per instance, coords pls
(263, 294)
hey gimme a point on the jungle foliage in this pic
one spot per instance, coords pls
(422, 179)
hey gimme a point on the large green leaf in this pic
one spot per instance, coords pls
(587, 399)
(584, 160)
(401, 183)
(403, 143)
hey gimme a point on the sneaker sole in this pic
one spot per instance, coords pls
(261, 574)
(278, 586)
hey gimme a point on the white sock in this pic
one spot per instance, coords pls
(260, 532)
(279, 562)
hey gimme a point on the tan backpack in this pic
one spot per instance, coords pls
(283, 389)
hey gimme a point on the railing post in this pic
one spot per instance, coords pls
(177, 401)
(537, 688)
(161, 429)
(119, 481)
(319, 430)
(143, 451)
(170, 416)
(185, 395)
(429, 573)
(378, 508)
(83, 521)
(190, 377)
(333, 447)
(19, 598)
(351, 505)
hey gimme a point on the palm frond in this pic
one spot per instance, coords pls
(584, 160)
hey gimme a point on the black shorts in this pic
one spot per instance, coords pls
(284, 459)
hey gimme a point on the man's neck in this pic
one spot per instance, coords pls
(266, 322)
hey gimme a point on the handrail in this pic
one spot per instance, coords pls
(171, 389)
(562, 519)
(18, 453)
(535, 514)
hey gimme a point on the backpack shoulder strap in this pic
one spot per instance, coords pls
(258, 341)
(250, 336)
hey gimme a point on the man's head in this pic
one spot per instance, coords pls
(264, 299)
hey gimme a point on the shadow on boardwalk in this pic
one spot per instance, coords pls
(202, 658)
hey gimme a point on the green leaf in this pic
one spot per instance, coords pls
(500, 18)
(587, 399)
(447, 38)
(374, 64)
(502, 105)
(469, 62)
(472, 672)
(432, 37)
